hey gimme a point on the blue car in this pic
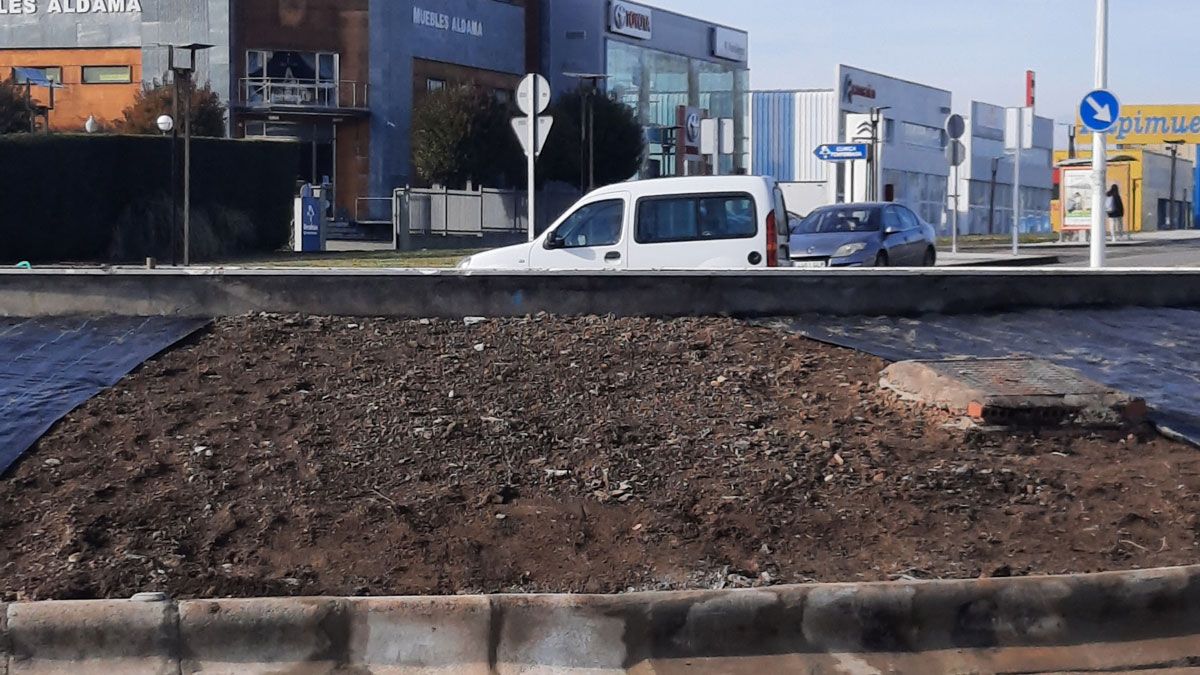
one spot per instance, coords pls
(874, 234)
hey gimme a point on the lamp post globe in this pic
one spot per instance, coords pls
(165, 123)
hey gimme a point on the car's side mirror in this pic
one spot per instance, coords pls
(554, 241)
(891, 229)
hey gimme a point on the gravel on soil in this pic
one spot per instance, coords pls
(314, 456)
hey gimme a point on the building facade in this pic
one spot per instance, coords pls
(102, 51)
(659, 63)
(985, 179)
(788, 126)
(343, 76)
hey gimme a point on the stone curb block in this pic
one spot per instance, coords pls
(543, 635)
(407, 636)
(307, 635)
(1086, 623)
(93, 636)
(4, 648)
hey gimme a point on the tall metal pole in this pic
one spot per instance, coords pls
(591, 134)
(174, 162)
(1099, 141)
(992, 197)
(187, 170)
(531, 157)
(583, 103)
(954, 233)
(1171, 198)
(1016, 196)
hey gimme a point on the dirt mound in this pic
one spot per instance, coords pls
(306, 456)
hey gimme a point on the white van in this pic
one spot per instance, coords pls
(701, 222)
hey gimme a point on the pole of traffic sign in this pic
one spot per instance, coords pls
(1100, 142)
(954, 233)
(1016, 197)
(531, 156)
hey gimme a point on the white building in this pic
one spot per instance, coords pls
(788, 126)
(985, 179)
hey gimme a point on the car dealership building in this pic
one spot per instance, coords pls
(342, 76)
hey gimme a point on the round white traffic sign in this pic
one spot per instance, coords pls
(526, 98)
(956, 126)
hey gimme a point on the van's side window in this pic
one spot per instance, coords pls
(595, 224)
(696, 218)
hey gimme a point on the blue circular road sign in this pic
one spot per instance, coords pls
(1099, 110)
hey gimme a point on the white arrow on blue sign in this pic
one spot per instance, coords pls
(842, 153)
(1099, 110)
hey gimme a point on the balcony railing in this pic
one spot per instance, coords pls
(267, 92)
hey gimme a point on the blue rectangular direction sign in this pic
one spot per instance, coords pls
(842, 153)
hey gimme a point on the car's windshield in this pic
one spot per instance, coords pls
(842, 219)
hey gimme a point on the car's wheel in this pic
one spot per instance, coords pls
(881, 260)
(930, 257)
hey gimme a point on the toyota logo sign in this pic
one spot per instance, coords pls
(631, 20)
(693, 128)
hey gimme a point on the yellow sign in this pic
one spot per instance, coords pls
(1154, 125)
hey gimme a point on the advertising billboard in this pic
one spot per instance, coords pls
(1076, 196)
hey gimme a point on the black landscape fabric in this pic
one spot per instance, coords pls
(50, 366)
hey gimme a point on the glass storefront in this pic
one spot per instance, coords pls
(656, 83)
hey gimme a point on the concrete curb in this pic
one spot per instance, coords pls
(5, 651)
(451, 294)
(1023, 261)
(101, 637)
(1108, 622)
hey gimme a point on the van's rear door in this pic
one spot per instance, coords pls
(783, 234)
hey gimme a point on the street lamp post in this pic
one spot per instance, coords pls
(166, 124)
(1174, 147)
(182, 74)
(587, 128)
(877, 151)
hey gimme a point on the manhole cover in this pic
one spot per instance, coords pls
(1012, 391)
(1017, 377)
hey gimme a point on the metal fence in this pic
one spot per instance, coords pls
(439, 211)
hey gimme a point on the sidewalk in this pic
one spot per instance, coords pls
(993, 258)
(1139, 239)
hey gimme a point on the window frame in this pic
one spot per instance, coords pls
(43, 69)
(912, 216)
(697, 197)
(83, 70)
(621, 201)
(441, 84)
(894, 210)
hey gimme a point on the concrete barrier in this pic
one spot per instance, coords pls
(1116, 622)
(93, 637)
(445, 293)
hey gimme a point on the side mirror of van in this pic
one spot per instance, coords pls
(554, 241)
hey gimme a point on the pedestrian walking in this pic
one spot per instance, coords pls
(1115, 207)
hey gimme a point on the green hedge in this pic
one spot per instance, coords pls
(107, 198)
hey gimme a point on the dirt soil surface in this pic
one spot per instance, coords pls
(306, 456)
